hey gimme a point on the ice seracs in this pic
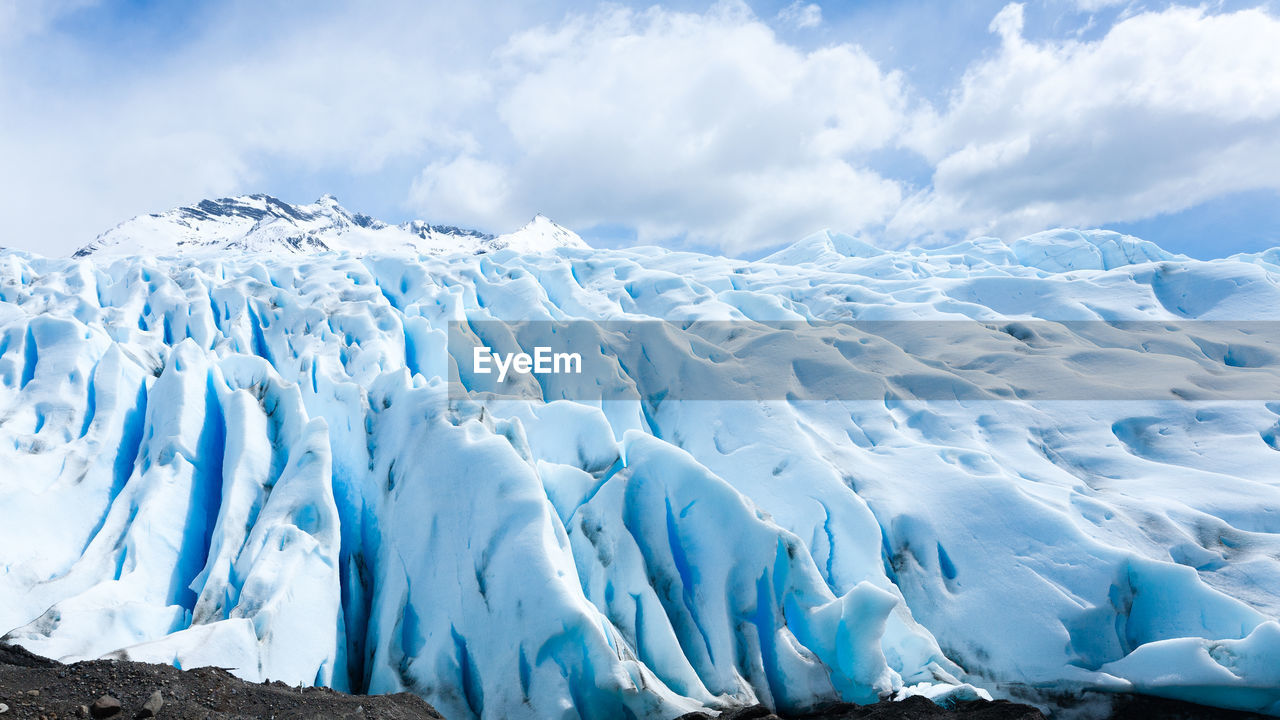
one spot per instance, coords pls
(261, 223)
(1053, 251)
(823, 247)
(254, 460)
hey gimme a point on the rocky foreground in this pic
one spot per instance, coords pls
(1096, 707)
(912, 708)
(37, 688)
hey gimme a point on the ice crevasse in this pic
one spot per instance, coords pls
(254, 462)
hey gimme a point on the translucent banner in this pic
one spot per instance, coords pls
(866, 360)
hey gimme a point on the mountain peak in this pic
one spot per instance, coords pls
(263, 223)
(539, 233)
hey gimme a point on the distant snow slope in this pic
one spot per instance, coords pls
(261, 223)
(253, 462)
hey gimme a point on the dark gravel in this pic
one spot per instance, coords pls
(912, 708)
(34, 688)
(1123, 707)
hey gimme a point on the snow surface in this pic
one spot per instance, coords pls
(261, 223)
(254, 462)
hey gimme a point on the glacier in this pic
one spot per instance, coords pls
(257, 461)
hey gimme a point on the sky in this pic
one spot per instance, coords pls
(735, 126)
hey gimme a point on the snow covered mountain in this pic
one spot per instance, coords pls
(280, 464)
(261, 223)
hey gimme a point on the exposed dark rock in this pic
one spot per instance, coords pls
(151, 707)
(68, 691)
(1145, 707)
(1124, 707)
(21, 657)
(105, 707)
(912, 708)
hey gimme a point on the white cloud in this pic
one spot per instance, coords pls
(1008, 23)
(801, 14)
(705, 125)
(20, 18)
(1167, 110)
(465, 186)
(263, 88)
(701, 125)
(1096, 5)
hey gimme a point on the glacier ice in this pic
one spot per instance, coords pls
(255, 462)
